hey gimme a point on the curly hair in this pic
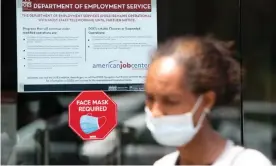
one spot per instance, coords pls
(209, 66)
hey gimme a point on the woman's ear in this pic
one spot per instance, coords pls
(209, 99)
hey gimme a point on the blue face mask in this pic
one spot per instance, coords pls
(90, 124)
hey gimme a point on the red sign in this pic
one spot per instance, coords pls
(92, 115)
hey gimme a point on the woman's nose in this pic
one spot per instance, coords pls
(156, 112)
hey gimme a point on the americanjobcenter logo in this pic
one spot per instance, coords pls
(117, 64)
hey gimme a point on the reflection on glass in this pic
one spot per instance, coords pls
(131, 143)
(258, 50)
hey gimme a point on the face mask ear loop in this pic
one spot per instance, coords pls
(201, 118)
(197, 104)
(195, 108)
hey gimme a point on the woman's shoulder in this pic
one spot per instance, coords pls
(252, 157)
(168, 160)
(246, 157)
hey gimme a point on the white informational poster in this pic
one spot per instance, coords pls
(76, 45)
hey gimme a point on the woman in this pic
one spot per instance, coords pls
(189, 76)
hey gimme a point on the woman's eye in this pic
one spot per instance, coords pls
(149, 98)
(171, 102)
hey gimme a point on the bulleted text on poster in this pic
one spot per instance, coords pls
(63, 45)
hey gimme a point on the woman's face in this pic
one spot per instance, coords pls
(166, 92)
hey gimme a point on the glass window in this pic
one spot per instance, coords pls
(42, 118)
(258, 50)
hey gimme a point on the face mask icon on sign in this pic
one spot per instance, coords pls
(90, 124)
